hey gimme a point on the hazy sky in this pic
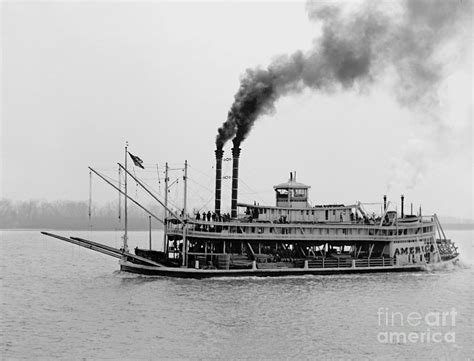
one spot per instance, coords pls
(81, 78)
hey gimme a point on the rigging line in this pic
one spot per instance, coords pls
(201, 185)
(246, 185)
(157, 194)
(126, 195)
(158, 174)
(266, 191)
(205, 204)
(136, 184)
(112, 180)
(207, 175)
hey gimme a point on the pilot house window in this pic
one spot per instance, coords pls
(282, 193)
(300, 192)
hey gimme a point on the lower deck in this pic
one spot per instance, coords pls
(184, 272)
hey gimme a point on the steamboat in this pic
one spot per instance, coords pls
(289, 238)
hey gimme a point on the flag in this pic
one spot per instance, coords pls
(136, 160)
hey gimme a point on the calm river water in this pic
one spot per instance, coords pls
(60, 301)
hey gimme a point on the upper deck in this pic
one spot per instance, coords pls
(340, 231)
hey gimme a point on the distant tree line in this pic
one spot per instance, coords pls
(73, 215)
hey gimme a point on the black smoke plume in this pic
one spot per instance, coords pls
(357, 45)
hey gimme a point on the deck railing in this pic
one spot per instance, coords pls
(337, 231)
(350, 263)
(240, 261)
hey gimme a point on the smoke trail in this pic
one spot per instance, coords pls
(357, 45)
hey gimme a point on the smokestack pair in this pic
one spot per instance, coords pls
(235, 179)
(219, 154)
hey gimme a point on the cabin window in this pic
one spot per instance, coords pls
(327, 214)
(334, 213)
(299, 192)
(312, 213)
(282, 194)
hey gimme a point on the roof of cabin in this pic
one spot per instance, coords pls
(291, 184)
(314, 208)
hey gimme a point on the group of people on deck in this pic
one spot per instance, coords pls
(215, 217)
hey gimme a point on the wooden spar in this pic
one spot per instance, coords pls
(371, 248)
(112, 249)
(149, 228)
(127, 196)
(151, 194)
(165, 229)
(125, 235)
(439, 225)
(85, 245)
(251, 250)
(102, 248)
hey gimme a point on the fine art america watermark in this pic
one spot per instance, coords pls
(416, 327)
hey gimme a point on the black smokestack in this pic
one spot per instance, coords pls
(356, 47)
(385, 203)
(219, 154)
(235, 178)
(402, 198)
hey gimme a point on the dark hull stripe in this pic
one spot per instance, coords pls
(194, 273)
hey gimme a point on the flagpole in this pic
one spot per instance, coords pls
(125, 218)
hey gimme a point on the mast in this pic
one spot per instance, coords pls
(90, 200)
(125, 218)
(165, 242)
(185, 178)
(120, 195)
(185, 241)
